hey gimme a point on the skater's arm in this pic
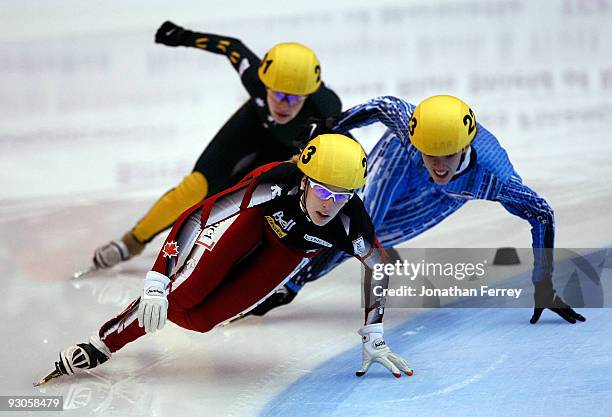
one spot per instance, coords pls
(187, 228)
(368, 251)
(374, 346)
(523, 202)
(374, 283)
(386, 181)
(391, 111)
(261, 186)
(242, 58)
(364, 245)
(179, 242)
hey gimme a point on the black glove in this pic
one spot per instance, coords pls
(170, 34)
(314, 127)
(322, 126)
(279, 298)
(546, 297)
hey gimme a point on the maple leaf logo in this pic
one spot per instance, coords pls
(170, 249)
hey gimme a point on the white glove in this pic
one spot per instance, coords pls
(111, 254)
(153, 307)
(375, 349)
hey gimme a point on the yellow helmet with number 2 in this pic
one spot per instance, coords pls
(334, 160)
(441, 126)
(291, 68)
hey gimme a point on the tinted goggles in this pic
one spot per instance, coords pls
(289, 98)
(324, 193)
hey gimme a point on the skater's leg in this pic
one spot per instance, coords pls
(220, 247)
(314, 269)
(251, 282)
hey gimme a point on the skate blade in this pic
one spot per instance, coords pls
(52, 375)
(84, 272)
(233, 320)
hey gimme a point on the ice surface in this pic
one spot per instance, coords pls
(97, 121)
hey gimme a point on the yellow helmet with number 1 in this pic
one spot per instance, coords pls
(441, 126)
(334, 160)
(291, 68)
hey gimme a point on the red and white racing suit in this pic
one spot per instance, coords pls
(232, 250)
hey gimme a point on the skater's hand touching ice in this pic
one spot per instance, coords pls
(375, 349)
(546, 297)
(153, 307)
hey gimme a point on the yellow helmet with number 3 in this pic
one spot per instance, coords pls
(441, 126)
(334, 160)
(291, 68)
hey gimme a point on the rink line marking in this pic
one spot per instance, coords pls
(444, 391)
(457, 386)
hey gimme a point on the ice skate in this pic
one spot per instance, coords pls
(78, 358)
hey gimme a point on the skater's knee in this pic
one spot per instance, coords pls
(190, 321)
(201, 326)
(200, 323)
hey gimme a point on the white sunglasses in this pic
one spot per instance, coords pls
(324, 193)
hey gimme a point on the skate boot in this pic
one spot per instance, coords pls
(83, 356)
(280, 297)
(117, 251)
(78, 358)
(114, 252)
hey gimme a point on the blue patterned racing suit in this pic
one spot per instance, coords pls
(403, 201)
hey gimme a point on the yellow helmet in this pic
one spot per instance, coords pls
(441, 126)
(334, 160)
(291, 68)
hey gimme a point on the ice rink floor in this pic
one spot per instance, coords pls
(98, 121)
(298, 360)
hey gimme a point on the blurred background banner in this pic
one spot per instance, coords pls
(91, 107)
